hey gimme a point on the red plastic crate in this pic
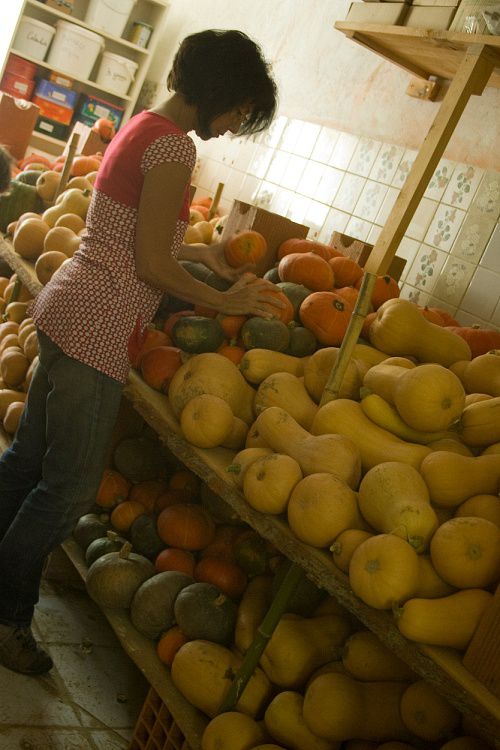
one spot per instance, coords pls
(155, 728)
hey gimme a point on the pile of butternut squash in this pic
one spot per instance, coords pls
(18, 359)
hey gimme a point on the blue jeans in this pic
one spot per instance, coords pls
(50, 475)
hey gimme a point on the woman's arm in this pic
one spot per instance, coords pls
(159, 207)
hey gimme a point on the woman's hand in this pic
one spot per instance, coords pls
(212, 256)
(248, 297)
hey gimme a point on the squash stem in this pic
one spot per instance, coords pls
(332, 387)
(262, 637)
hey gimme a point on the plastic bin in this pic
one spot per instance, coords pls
(155, 728)
(16, 85)
(74, 50)
(109, 15)
(91, 109)
(33, 38)
(116, 73)
(19, 67)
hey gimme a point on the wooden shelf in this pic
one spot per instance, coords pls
(441, 667)
(421, 52)
(143, 653)
(24, 269)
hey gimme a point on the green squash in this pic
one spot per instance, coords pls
(113, 579)
(196, 334)
(112, 542)
(217, 282)
(259, 333)
(302, 342)
(20, 199)
(144, 537)
(89, 527)
(203, 612)
(29, 176)
(272, 275)
(198, 270)
(139, 458)
(296, 293)
(152, 608)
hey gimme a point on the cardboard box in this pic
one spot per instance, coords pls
(425, 17)
(88, 142)
(382, 13)
(360, 252)
(91, 109)
(17, 121)
(276, 229)
(53, 111)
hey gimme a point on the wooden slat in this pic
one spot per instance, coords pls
(446, 673)
(437, 53)
(24, 269)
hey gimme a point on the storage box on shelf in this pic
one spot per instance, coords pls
(111, 70)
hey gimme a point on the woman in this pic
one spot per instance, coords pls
(127, 260)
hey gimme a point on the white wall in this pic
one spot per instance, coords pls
(325, 78)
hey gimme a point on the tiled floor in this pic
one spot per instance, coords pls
(91, 698)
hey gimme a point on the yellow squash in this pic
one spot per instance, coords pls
(288, 392)
(269, 482)
(480, 423)
(285, 723)
(257, 364)
(451, 478)
(465, 552)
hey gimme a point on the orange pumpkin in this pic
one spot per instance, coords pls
(327, 315)
(82, 165)
(346, 271)
(295, 245)
(307, 269)
(432, 315)
(205, 312)
(124, 514)
(169, 643)
(365, 331)
(231, 324)
(151, 338)
(175, 559)
(247, 246)
(114, 488)
(159, 365)
(385, 288)
(480, 340)
(186, 526)
(286, 313)
(348, 293)
(186, 482)
(222, 545)
(147, 493)
(227, 576)
(167, 498)
(447, 319)
(232, 352)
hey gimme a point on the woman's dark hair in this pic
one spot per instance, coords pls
(6, 162)
(218, 71)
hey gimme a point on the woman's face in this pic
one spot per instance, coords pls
(229, 121)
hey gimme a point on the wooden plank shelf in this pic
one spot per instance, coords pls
(422, 52)
(24, 269)
(143, 653)
(442, 667)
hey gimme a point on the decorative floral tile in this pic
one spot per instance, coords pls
(249, 189)
(440, 179)
(290, 135)
(487, 198)
(336, 221)
(473, 237)
(310, 178)
(408, 250)
(387, 204)
(272, 135)
(454, 280)
(483, 294)
(462, 185)
(329, 185)
(297, 210)
(265, 195)
(293, 172)
(491, 257)
(349, 192)
(343, 151)
(277, 167)
(386, 163)
(315, 218)
(280, 202)
(358, 228)
(425, 268)
(417, 296)
(403, 168)
(308, 137)
(444, 226)
(364, 157)
(370, 200)
(260, 161)
(421, 219)
(325, 143)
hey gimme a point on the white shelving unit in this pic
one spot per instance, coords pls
(152, 12)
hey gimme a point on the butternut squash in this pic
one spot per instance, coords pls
(465, 552)
(232, 731)
(480, 506)
(337, 707)
(12, 417)
(202, 671)
(242, 461)
(465, 743)
(482, 375)
(285, 723)
(400, 329)
(257, 364)
(344, 545)
(452, 445)
(491, 449)
(393, 498)
(254, 439)
(384, 571)
(320, 507)
(345, 417)
(427, 714)
(334, 454)
(318, 368)
(237, 436)
(288, 392)
(13, 367)
(251, 610)
(206, 421)
(430, 585)
(300, 645)
(447, 621)
(386, 416)
(428, 398)
(480, 423)
(366, 658)
(7, 397)
(451, 478)
(474, 398)
(269, 481)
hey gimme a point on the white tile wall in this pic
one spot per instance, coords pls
(332, 180)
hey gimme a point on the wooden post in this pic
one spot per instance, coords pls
(215, 203)
(67, 164)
